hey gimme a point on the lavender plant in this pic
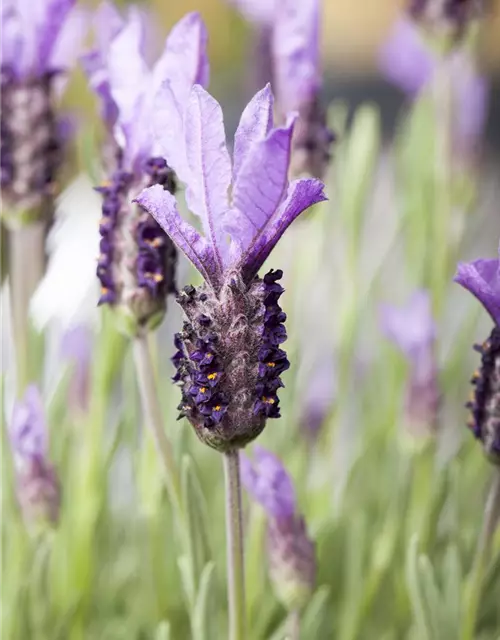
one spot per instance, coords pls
(38, 48)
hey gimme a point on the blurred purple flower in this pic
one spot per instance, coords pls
(409, 63)
(37, 484)
(39, 42)
(235, 321)
(137, 277)
(76, 347)
(412, 328)
(319, 397)
(289, 54)
(291, 554)
(482, 279)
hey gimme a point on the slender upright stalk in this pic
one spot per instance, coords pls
(293, 626)
(234, 542)
(152, 411)
(26, 269)
(490, 521)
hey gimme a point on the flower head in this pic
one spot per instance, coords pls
(407, 61)
(136, 266)
(448, 16)
(481, 278)
(291, 554)
(228, 356)
(38, 44)
(413, 330)
(37, 483)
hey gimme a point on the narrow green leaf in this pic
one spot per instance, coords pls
(203, 610)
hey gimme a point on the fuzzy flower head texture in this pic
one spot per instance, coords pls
(40, 41)
(136, 265)
(482, 279)
(228, 356)
(413, 330)
(36, 480)
(291, 554)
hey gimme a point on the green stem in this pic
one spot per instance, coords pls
(490, 521)
(153, 414)
(234, 542)
(293, 626)
(26, 269)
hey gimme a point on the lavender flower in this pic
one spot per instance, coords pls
(76, 347)
(413, 330)
(293, 29)
(38, 45)
(319, 397)
(136, 265)
(407, 61)
(228, 355)
(38, 488)
(482, 279)
(446, 17)
(291, 554)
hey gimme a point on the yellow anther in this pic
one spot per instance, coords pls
(212, 376)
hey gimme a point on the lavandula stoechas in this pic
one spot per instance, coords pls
(136, 266)
(408, 61)
(291, 553)
(37, 484)
(446, 17)
(290, 30)
(413, 331)
(228, 357)
(39, 42)
(482, 279)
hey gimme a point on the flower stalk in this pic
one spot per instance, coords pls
(234, 542)
(24, 274)
(152, 412)
(483, 550)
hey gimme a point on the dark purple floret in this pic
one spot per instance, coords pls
(451, 14)
(485, 398)
(31, 143)
(228, 361)
(136, 265)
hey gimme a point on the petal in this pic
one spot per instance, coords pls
(301, 195)
(97, 76)
(56, 14)
(255, 123)
(12, 36)
(404, 59)
(209, 167)
(482, 279)
(162, 206)
(69, 43)
(259, 11)
(296, 52)
(260, 187)
(269, 483)
(128, 73)
(108, 23)
(28, 430)
(184, 61)
(411, 327)
(183, 64)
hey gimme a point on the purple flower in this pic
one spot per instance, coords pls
(481, 278)
(289, 39)
(39, 43)
(136, 265)
(407, 61)
(413, 330)
(319, 397)
(244, 209)
(36, 480)
(449, 16)
(76, 347)
(291, 554)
